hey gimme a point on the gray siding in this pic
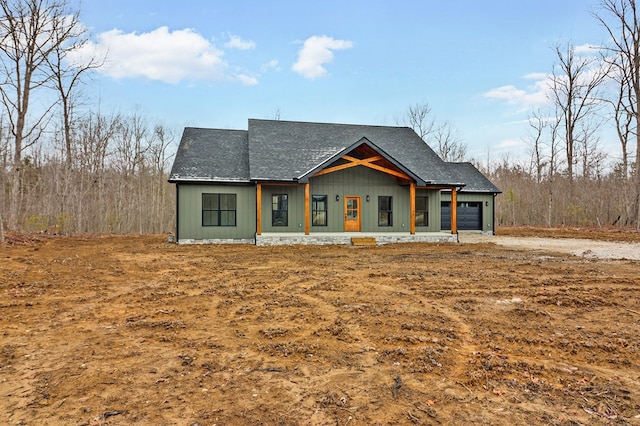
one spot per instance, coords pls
(296, 208)
(190, 212)
(485, 199)
(362, 181)
(357, 181)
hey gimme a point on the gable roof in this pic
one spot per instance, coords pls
(289, 150)
(206, 155)
(363, 148)
(474, 179)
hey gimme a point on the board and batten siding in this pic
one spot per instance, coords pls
(295, 201)
(363, 181)
(190, 212)
(485, 199)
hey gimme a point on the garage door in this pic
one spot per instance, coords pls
(469, 215)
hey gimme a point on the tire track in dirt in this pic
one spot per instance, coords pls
(467, 346)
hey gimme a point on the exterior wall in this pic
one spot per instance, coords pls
(189, 200)
(295, 195)
(486, 200)
(356, 181)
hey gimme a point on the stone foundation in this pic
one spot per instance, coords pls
(320, 239)
(216, 241)
(288, 239)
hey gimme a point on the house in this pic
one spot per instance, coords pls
(284, 182)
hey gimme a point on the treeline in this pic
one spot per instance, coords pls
(585, 201)
(69, 170)
(570, 179)
(114, 181)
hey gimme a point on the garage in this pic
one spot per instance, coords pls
(469, 215)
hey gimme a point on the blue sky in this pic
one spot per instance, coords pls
(209, 63)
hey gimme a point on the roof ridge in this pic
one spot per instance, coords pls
(322, 123)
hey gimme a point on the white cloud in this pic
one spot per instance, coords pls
(591, 49)
(271, 65)
(235, 42)
(163, 55)
(534, 95)
(507, 144)
(316, 52)
(245, 80)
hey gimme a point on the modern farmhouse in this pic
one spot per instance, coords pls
(286, 182)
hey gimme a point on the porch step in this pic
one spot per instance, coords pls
(363, 241)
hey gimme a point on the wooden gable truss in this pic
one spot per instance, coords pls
(364, 156)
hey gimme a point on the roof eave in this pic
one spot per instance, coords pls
(207, 179)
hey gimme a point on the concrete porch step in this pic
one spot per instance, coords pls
(364, 241)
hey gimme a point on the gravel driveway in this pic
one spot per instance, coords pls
(577, 247)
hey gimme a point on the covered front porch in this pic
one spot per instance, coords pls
(348, 238)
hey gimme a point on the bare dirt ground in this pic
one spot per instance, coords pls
(117, 330)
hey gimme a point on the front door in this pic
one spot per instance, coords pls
(352, 214)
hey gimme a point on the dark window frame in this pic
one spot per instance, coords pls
(224, 215)
(279, 210)
(424, 212)
(317, 213)
(385, 213)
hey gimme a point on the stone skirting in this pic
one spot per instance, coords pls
(217, 241)
(320, 239)
(273, 239)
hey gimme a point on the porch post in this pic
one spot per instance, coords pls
(412, 208)
(306, 208)
(258, 209)
(454, 210)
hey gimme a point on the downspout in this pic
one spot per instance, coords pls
(454, 212)
(258, 211)
(493, 215)
(177, 213)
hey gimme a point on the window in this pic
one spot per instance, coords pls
(422, 210)
(385, 213)
(319, 210)
(279, 210)
(218, 209)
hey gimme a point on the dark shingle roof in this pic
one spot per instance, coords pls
(292, 151)
(474, 180)
(211, 155)
(288, 150)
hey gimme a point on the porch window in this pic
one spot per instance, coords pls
(279, 210)
(422, 210)
(218, 209)
(385, 210)
(319, 210)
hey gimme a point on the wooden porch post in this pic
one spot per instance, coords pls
(306, 209)
(259, 209)
(412, 208)
(454, 210)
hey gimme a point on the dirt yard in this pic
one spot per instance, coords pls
(119, 330)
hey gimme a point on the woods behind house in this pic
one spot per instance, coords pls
(66, 166)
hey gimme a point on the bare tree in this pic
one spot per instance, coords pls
(163, 138)
(624, 33)
(67, 75)
(420, 120)
(574, 90)
(538, 125)
(623, 106)
(447, 144)
(441, 137)
(30, 31)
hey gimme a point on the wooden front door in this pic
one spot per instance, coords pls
(352, 214)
